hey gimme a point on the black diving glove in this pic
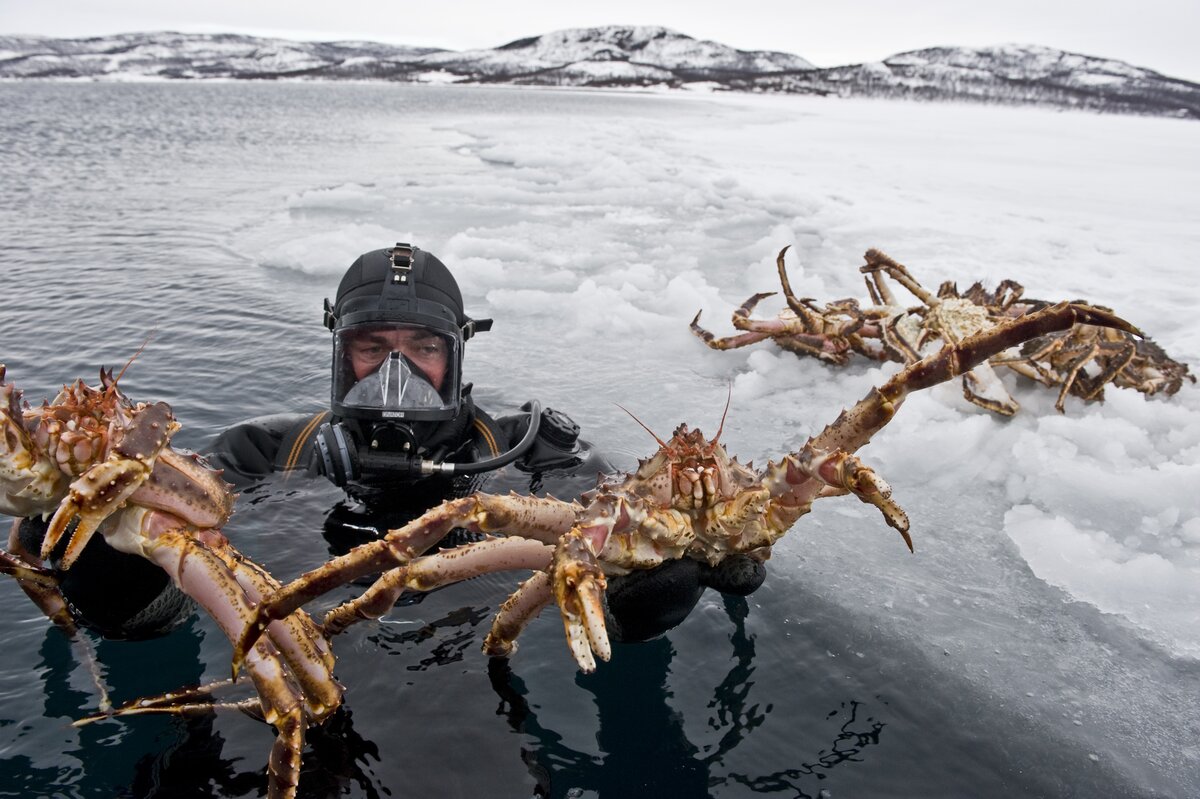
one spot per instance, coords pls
(643, 604)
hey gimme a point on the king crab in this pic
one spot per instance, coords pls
(1083, 360)
(690, 499)
(830, 333)
(94, 458)
(1080, 361)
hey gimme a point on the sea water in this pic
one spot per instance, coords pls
(1042, 640)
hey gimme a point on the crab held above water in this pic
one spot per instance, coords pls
(94, 458)
(689, 499)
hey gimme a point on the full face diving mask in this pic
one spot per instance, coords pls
(396, 372)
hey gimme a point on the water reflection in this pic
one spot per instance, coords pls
(157, 756)
(454, 632)
(851, 740)
(186, 752)
(340, 759)
(644, 748)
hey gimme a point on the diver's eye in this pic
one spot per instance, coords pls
(368, 351)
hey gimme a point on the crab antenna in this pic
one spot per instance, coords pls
(661, 443)
(724, 413)
(134, 357)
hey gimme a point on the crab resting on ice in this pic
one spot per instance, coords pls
(95, 458)
(831, 333)
(1080, 361)
(690, 499)
(1083, 360)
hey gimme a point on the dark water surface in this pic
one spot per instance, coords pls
(132, 209)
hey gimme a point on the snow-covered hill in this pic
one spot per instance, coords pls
(1011, 74)
(615, 56)
(141, 56)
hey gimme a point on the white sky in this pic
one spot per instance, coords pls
(1158, 34)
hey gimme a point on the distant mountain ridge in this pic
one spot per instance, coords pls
(1010, 74)
(617, 56)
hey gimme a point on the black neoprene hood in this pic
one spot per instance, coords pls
(434, 298)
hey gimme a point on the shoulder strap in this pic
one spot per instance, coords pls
(487, 433)
(297, 443)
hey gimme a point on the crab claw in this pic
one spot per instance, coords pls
(837, 473)
(95, 496)
(579, 590)
(29, 481)
(103, 489)
(848, 472)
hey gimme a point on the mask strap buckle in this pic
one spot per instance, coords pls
(402, 262)
(330, 316)
(474, 326)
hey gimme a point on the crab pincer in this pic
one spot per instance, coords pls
(579, 585)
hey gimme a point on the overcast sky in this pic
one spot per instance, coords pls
(1159, 34)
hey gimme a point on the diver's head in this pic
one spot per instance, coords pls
(398, 332)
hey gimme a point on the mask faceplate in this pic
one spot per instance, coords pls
(396, 371)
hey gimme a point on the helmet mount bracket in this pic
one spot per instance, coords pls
(401, 257)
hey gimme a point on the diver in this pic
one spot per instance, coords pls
(402, 433)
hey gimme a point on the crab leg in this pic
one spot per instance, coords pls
(540, 518)
(982, 387)
(204, 576)
(19, 563)
(289, 669)
(530, 598)
(579, 584)
(791, 333)
(40, 585)
(34, 578)
(297, 637)
(441, 568)
(813, 321)
(171, 704)
(876, 260)
(1113, 369)
(183, 485)
(855, 427)
(756, 331)
(187, 702)
(1074, 370)
(826, 461)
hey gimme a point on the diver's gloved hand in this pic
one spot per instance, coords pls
(643, 604)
